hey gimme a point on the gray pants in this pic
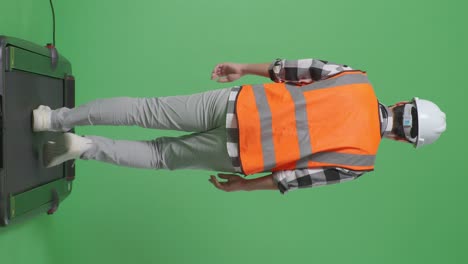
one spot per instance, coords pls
(204, 114)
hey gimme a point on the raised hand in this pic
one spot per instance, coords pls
(234, 182)
(227, 72)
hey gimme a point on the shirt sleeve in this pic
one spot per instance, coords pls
(288, 180)
(303, 71)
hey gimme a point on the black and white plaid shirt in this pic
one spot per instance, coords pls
(297, 72)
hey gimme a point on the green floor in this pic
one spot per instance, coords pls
(411, 210)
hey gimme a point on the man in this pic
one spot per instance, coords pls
(318, 123)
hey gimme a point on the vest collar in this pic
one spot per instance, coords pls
(386, 120)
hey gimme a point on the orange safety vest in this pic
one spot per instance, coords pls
(334, 122)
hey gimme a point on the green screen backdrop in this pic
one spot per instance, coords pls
(412, 209)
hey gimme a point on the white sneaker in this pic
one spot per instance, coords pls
(42, 120)
(65, 147)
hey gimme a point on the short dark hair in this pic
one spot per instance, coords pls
(398, 129)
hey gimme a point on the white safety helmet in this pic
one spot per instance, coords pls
(431, 122)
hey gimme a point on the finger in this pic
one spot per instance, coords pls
(216, 72)
(223, 184)
(213, 182)
(220, 69)
(227, 176)
(216, 183)
(223, 79)
(223, 176)
(216, 68)
(231, 78)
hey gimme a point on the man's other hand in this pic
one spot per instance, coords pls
(234, 182)
(227, 72)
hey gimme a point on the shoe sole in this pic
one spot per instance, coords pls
(38, 120)
(58, 151)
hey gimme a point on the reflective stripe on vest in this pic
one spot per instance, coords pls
(334, 122)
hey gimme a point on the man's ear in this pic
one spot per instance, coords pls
(401, 103)
(398, 139)
(402, 140)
